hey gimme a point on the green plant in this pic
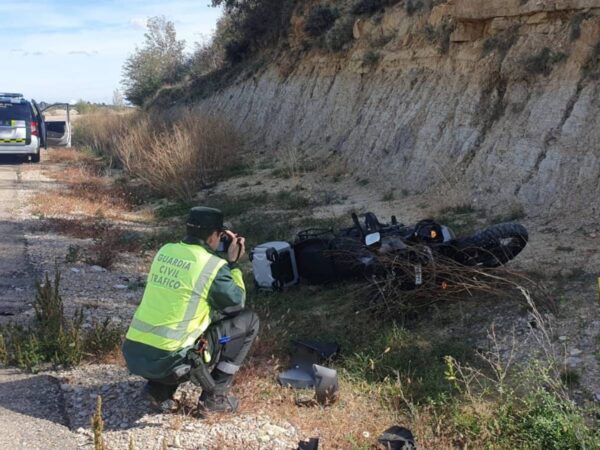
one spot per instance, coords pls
(439, 36)
(105, 250)
(542, 62)
(340, 34)
(570, 378)
(51, 338)
(371, 6)
(291, 200)
(388, 196)
(462, 219)
(102, 339)
(371, 58)
(247, 25)
(575, 25)
(320, 19)
(97, 423)
(3, 351)
(412, 7)
(503, 41)
(172, 209)
(73, 253)
(591, 68)
(515, 213)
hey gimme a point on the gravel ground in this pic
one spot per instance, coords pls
(127, 414)
(116, 293)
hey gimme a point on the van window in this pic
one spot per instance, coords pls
(15, 111)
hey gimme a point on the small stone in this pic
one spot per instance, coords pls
(120, 286)
(593, 235)
(75, 270)
(566, 273)
(264, 438)
(575, 352)
(597, 397)
(562, 338)
(97, 269)
(573, 361)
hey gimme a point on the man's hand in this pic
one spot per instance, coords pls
(237, 249)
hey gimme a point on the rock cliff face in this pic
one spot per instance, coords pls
(497, 99)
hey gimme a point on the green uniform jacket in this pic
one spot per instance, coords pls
(225, 298)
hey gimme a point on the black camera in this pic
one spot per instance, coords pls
(224, 243)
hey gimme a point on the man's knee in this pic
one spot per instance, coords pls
(248, 321)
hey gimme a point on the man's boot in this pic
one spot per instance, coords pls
(161, 397)
(218, 400)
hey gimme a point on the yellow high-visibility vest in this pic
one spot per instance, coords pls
(174, 311)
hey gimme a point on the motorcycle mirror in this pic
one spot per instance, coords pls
(372, 239)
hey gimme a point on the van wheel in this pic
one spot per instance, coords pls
(35, 158)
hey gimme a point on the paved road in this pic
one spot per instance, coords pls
(31, 411)
(16, 276)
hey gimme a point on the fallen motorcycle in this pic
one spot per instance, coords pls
(373, 249)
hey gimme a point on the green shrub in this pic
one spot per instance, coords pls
(570, 378)
(372, 6)
(320, 19)
(340, 34)
(52, 337)
(543, 62)
(248, 25)
(575, 25)
(439, 36)
(102, 339)
(503, 41)
(412, 7)
(371, 58)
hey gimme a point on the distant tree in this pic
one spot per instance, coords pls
(117, 100)
(159, 61)
(85, 107)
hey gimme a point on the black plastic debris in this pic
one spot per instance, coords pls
(306, 354)
(397, 438)
(311, 444)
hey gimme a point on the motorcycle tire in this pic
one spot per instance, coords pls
(492, 246)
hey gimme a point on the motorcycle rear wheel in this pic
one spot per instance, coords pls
(493, 246)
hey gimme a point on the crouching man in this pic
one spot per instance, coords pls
(192, 318)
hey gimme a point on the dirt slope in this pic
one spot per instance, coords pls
(496, 100)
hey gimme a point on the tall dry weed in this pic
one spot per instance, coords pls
(173, 153)
(101, 133)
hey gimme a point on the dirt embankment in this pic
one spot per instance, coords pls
(496, 100)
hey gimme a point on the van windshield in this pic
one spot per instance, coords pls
(15, 111)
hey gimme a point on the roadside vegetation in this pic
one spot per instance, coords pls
(53, 338)
(444, 386)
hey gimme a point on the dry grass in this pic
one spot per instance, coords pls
(84, 192)
(101, 132)
(354, 421)
(174, 153)
(178, 153)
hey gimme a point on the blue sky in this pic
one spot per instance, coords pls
(64, 50)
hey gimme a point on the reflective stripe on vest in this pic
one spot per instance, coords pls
(175, 311)
(180, 332)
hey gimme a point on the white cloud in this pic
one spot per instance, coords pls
(138, 22)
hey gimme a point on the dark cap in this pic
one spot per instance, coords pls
(205, 218)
